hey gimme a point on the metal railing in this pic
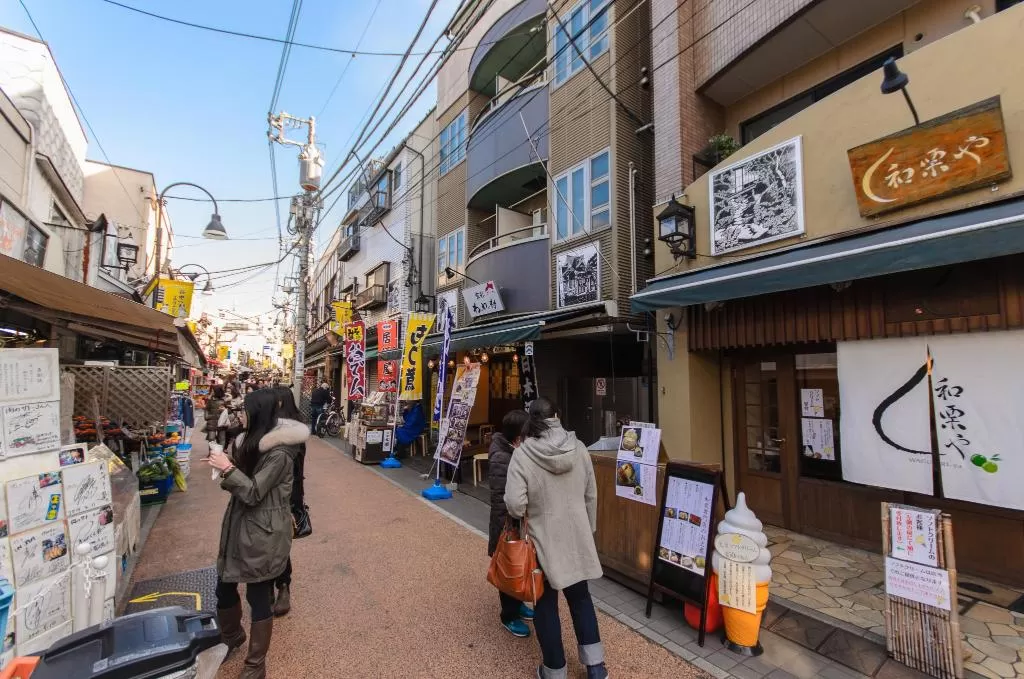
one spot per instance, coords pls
(348, 247)
(373, 296)
(525, 84)
(509, 238)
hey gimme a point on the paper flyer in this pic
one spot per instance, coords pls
(34, 501)
(636, 481)
(639, 444)
(812, 403)
(28, 375)
(818, 438)
(736, 586)
(39, 554)
(914, 535)
(31, 428)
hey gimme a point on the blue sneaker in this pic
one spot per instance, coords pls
(517, 628)
(525, 613)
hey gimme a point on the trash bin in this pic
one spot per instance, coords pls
(164, 643)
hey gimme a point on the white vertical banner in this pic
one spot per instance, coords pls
(885, 427)
(978, 389)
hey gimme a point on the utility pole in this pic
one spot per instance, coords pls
(304, 210)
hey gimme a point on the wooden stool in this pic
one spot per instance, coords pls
(477, 459)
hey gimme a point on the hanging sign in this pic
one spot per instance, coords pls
(173, 297)
(957, 152)
(416, 331)
(527, 379)
(355, 360)
(442, 371)
(601, 386)
(387, 336)
(483, 299)
(342, 316)
(387, 376)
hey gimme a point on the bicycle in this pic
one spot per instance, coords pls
(329, 421)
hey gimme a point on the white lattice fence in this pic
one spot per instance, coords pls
(137, 395)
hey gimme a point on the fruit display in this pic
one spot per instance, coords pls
(85, 429)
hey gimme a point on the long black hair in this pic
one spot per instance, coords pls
(286, 407)
(541, 409)
(260, 418)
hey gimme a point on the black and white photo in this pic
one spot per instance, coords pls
(579, 275)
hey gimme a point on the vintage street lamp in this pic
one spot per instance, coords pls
(208, 288)
(896, 81)
(677, 229)
(127, 253)
(423, 303)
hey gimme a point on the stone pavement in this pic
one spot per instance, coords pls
(796, 645)
(385, 587)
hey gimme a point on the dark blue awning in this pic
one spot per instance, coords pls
(981, 233)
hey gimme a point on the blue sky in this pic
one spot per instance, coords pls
(190, 105)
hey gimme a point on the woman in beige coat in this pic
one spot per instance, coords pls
(551, 482)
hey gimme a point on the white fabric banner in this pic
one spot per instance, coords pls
(978, 389)
(884, 425)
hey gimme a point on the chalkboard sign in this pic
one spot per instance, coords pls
(681, 565)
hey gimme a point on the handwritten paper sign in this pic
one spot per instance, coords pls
(917, 582)
(957, 152)
(31, 428)
(913, 535)
(818, 438)
(34, 501)
(51, 609)
(28, 375)
(95, 527)
(812, 403)
(736, 586)
(736, 547)
(40, 554)
(86, 487)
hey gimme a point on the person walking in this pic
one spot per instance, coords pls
(256, 532)
(289, 412)
(318, 400)
(214, 407)
(513, 612)
(551, 482)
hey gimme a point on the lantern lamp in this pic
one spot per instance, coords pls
(677, 228)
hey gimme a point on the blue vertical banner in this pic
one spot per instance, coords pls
(442, 373)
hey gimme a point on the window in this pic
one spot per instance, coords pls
(587, 22)
(35, 245)
(381, 192)
(57, 216)
(817, 382)
(19, 237)
(451, 252)
(758, 125)
(582, 198)
(396, 182)
(379, 275)
(453, 143)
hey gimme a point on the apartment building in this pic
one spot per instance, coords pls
(843, 241)
(380, 257)
(545, 157)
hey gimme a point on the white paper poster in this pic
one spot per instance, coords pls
(818, 441)
(885, 426)
(86, 487)
(913, 535)
(51, 609)
(812, 403)
(737, 587)
(28, 375)
(914, 581)
(34, 501)
(686, 526)
(374, 436)
(31, 428)
(388, 435)
(636, 481)
(978, 394)
(40, 554)
(639, 444)
(96, 527)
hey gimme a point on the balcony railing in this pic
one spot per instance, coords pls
(525, 84)
(508, 238)
(372, 297)
(348, 247)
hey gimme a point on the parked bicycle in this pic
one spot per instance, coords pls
(330, 420)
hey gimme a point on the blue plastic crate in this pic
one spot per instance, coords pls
(6, 597)
(155, 492)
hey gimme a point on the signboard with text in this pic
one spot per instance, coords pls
(483, 299)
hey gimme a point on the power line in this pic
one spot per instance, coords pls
(348, 63)
(229, 200)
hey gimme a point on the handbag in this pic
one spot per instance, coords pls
(514, 569)
(302, 526)
(224, 419)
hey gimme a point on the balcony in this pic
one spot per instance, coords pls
(511, 47)
(519, 262)
(349, 246)
(372, 297)
(502, 168)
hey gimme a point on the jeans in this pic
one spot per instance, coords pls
(314, 415)
(548, 626)
(285, 579)
(258, 594)
(509, 608)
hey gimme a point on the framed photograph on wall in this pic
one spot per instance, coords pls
(757, 200)
(579, 275)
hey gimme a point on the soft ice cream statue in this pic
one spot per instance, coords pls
(741, 562)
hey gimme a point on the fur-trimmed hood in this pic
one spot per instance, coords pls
(287, 433)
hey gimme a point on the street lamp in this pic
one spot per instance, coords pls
(677, 229)
(214, 229)
(896, 81)
(450, 273)
(424, 303)
(208, 288)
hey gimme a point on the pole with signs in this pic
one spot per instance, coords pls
(438, 491)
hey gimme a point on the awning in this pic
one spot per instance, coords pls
(89, 311)
(510, 330)
(971, 235)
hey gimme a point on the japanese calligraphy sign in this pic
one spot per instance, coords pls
(387, 336)
(957, 152)
(342, 316)
(447, 323)
(923, 584)
(355, 360)
(914, 534)
(173, 297)
(387, 376)
(483, 299)
(416, 331)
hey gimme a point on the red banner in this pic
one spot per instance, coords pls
(387, 375)
(355, 360)
(387, 336)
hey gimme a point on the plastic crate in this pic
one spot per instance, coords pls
(6, 596)
(155, 492)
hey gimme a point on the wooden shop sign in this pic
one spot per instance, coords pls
(957, 152)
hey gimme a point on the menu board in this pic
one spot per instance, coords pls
(686, 524)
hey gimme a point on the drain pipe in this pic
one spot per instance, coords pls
(423, 190)
(632, 226)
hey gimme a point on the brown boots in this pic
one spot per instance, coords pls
(259, 643)
(283, 602)
(230, 620)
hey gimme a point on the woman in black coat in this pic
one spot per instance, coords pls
(503, 444)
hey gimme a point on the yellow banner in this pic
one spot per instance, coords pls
(416, 331)
(342, 315)
(288, 351)
(222, 352)
(174, 297)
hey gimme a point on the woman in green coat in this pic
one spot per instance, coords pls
(256, 533)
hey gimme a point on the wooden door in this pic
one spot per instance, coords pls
(766, 438)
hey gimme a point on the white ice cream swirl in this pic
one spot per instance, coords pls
(742, 521)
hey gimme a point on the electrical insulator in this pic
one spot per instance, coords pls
(311, 168)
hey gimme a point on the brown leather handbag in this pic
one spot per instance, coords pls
(514, 569)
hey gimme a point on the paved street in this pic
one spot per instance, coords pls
(385, 586)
